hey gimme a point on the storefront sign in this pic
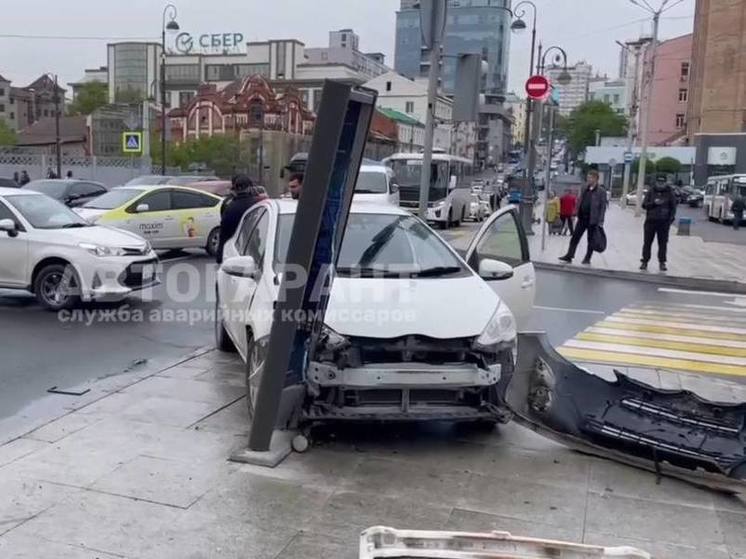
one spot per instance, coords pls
(186, 43)
(721, 156)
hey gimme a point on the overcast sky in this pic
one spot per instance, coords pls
(587, 29)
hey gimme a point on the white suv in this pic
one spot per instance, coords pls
(47, 249)
(412, 331)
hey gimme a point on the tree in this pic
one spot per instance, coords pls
(7, 135)
(224, 154)
(90, 97)
(650, 167)
(668, 165)
(580, 127)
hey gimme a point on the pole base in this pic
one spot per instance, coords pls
(280, 447)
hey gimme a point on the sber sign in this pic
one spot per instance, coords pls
(186, 43)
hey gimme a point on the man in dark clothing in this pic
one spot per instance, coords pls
(591, 211)
(25, 179)
(567, 211)
(737, 207)
(660, 203)
(244, 196)
(295, 184)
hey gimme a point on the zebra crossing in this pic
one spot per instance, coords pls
(691, 338)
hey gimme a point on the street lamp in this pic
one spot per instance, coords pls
(169, 11)
(519, 25)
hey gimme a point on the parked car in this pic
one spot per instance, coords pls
(448, 368)
(187, 180)
(71, 192)
(49, 250)
(694, 197)
(148, 180)
(8, 183)
(376, 183)
(170, 217)
(218, 187)
(631, 198)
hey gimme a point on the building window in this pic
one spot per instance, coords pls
(46, 112)
(616, 98)
(388, 86)
(680, 121)
(12, 116)
(2, 91)
(607, 98)
(12, 100)
(683, 95)
(409, 107)
(684, 71)
(185, 97)
(2, 108)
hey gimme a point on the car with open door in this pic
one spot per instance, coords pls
(412, 331)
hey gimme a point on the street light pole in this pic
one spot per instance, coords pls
(170, 11)
(519, 12)
(58, 139)
(632, 128)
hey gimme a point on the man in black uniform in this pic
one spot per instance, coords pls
(244, 196)
(660, 204)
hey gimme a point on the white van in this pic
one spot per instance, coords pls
(376, 183)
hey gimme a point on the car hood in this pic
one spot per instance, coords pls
(378, 198)
(389, 308)
(100, 235)
(89, 214)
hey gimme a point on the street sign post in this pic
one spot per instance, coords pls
(132, 143)
(628, 157)
(537, 87)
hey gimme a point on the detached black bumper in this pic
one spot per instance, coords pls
(671, 432)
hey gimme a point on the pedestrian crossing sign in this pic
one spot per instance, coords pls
(132, 142)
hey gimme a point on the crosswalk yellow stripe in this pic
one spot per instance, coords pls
(662, 344)
(710, 309)
(682, 317)
(606, 357)
(652, 329)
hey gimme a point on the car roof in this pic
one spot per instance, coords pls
(373, 168)
(153, 187)
(5, 191)
(288, 206)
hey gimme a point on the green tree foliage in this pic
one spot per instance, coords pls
(650, 167)
(7, 136)
(668, 165)
(223, 154)
(580, 127)
(90, 97)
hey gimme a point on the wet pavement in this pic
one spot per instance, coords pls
(143, 473)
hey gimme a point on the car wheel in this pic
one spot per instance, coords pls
(57, 287)
(213, 241)
(253, 374)
(222, 340)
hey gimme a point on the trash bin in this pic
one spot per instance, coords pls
(685, 226)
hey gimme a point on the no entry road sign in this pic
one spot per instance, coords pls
(537, 87)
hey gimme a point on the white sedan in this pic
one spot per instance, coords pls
(412, 331)
(47, 249)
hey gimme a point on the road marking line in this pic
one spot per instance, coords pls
(698, 293)
(667, 330)
(680, 317)
(672, 324)
(558, 309)
(656, 352)
(657, 343)
(715, 342)
(711, 308)
(607, 357)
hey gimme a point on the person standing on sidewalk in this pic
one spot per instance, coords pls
(660, 204)
(737, 207)
(243, 197)
(591, 211)
(567, 211)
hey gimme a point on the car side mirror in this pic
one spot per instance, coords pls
(9, 226)
(452, 182)
(240, 267)
(141, 208)
(490, 269)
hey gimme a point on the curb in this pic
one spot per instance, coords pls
(702, 284)
(19, 425)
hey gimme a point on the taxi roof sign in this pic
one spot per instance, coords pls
(132, 142)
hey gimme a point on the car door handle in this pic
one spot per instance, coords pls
(527, 282)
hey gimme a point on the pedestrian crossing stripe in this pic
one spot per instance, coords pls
(687, 338)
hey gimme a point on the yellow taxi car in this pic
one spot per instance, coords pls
(170, 217)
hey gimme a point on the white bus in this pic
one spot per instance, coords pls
(719, 195)
(450, 185)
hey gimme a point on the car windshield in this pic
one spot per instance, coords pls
(43, 212)
(113, 199)
(148, 180)
(399, 245)
(371, 182)
(55, 189)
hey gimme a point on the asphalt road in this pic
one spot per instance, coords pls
(40, 350)
(711, 232)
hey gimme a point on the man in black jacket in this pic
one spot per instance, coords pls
(660, 203)
(591, 212)
(243, 197)
(737, 207)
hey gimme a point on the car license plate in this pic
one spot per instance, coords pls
(148, 272)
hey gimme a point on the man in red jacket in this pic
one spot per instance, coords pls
(567, 211)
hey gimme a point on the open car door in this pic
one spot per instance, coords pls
(670, 432)
(502, 238)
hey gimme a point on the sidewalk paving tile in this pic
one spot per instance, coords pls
(19, 448)
(463, 520)
(733, 526)
(17, 546)
(186, 390)
(307, 545)
(658, 549)
(64, 426)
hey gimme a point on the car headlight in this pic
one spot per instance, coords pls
(99, 250)
(440, 205)
(500, 329)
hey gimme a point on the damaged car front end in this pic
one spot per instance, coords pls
(669, 432)
(411, 377)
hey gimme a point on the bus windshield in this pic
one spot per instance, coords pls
(408, 173)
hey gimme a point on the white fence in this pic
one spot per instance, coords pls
(111, 171)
